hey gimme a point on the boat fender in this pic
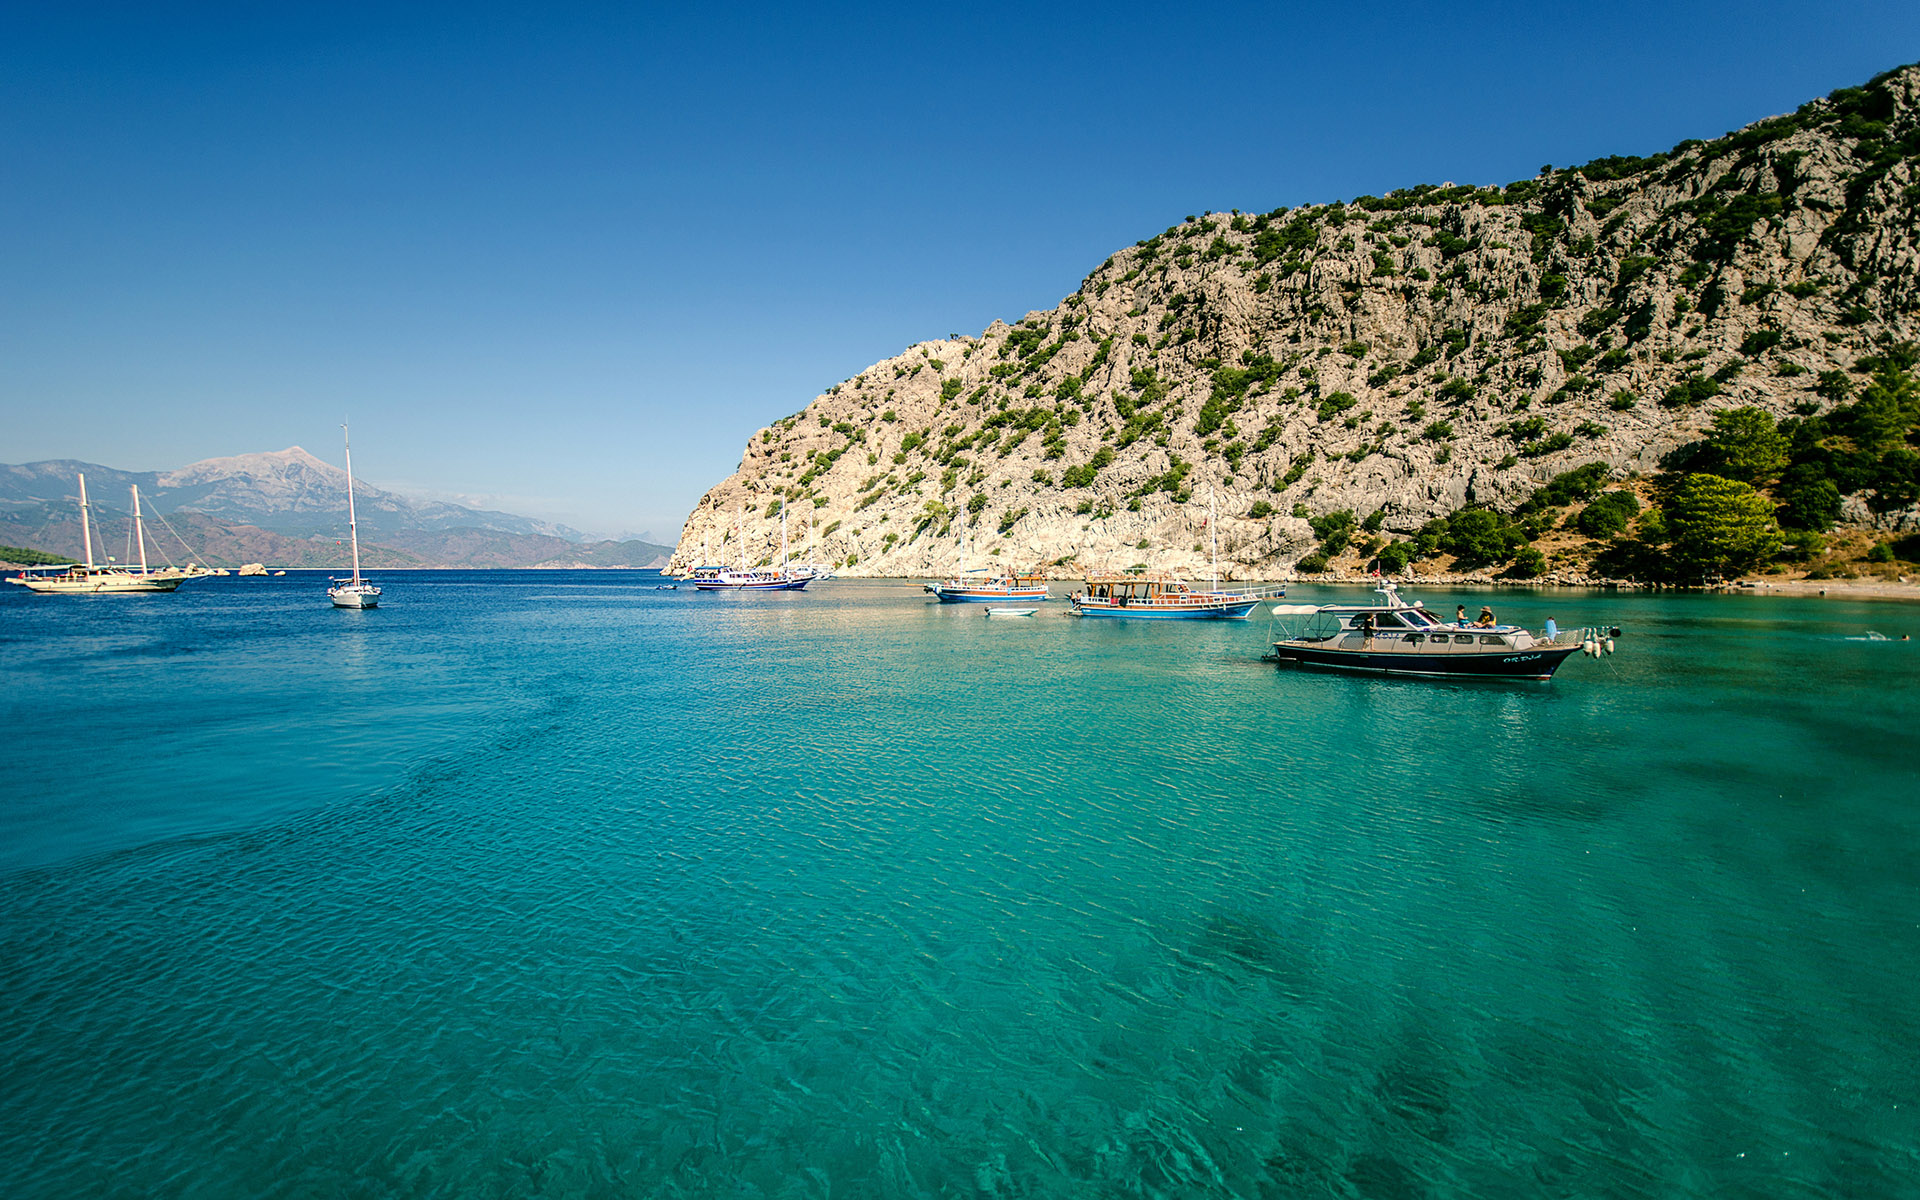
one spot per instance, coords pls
(1609, 645)
(1587, 648)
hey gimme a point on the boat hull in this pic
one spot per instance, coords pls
(1538, 662)
(1233, 611)
(947, 595)
(102, 585)
(780, 585)
(354, 598)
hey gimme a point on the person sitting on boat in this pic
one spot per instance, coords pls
(1486, 620)
(1460, 614)
(1553, 630)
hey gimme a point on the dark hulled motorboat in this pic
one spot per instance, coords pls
(1400, 638)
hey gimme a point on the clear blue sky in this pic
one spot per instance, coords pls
(565, 259)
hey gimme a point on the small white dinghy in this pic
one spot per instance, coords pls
(1011, 612)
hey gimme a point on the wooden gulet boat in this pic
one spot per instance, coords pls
(781, 579)
(1141, 597)
(91, 579)
(1153, 597)
(983, 587)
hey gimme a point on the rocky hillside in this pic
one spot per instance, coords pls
(1383, 362)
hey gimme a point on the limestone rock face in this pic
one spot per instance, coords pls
(1408, 355)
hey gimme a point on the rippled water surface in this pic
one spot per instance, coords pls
(553, 884)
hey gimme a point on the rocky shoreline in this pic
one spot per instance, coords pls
(1400, 359)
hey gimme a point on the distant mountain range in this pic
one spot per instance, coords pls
(286, 508)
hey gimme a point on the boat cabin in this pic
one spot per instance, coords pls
(1129, 590)
(1398, 638)
(1399, 626)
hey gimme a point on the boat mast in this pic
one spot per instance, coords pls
(783, 539)
(86, 525)
(139, 531)
(740, 528)
(353, 527)
(1213, 527)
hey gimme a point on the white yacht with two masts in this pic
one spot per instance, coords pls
(92, 579)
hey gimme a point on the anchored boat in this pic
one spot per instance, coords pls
(91, 579)
(1395, 637)
(980, 586)
(987, 589)
(1155, 598)
(355, 592)
(782, 579)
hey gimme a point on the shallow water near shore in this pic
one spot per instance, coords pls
(550, 883)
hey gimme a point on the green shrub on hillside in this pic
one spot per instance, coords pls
(1332, 405)
(1694, 389)
(32, 558)
(1717, 527)
(1296, 237)
(1393, 557)
(1479, 537)
(1744, 444)
(1335, 530)
(1609, 514)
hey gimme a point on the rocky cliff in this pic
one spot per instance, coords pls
(1401, 357)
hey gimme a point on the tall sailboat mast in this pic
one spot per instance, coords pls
(86, 524)
(353, 527)
(1213, 527)
(139, 531)
(783, 539)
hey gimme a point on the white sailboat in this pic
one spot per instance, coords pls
(355, 592)
(91, 579)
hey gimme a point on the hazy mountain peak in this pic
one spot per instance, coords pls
(291, 463)
(289, 492)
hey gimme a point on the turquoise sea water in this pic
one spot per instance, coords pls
(549, 884)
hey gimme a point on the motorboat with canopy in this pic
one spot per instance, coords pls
(1395, 637)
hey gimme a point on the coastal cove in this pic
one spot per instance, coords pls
(553, 883)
